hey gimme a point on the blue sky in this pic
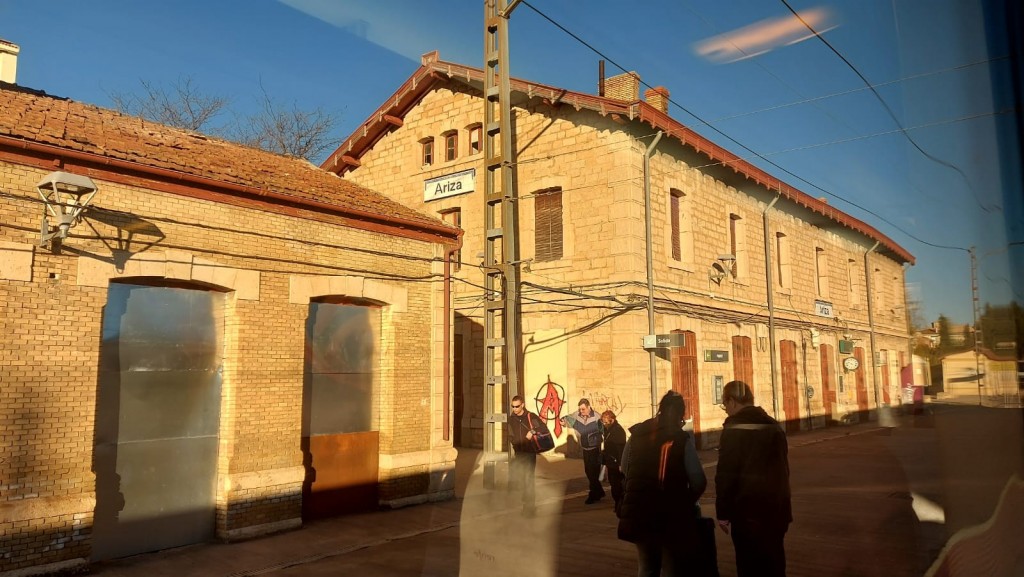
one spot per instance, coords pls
(946, 181)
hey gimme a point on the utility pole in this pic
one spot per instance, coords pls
(502, 350)
(977, 329)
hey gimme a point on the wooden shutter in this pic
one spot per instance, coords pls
(548, 225)
(677, 249)
(742, 360)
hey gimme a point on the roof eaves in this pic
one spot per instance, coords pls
(433, 69)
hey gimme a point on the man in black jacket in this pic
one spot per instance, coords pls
(611, 454)
(752, 484)
(522, 428)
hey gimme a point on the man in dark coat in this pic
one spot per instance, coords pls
(611, 455)
(522, 427)
(664, 479)
(752, 484)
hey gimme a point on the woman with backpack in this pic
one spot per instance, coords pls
(664, 480)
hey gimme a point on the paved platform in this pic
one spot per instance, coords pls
(857, 494)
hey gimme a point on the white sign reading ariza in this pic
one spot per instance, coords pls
(449, 185)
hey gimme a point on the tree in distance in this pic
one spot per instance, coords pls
(275, 127)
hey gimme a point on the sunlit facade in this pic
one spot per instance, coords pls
(227, 344)
(725, 236)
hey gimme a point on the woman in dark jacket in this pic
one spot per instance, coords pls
(664, 479)
(611, 456)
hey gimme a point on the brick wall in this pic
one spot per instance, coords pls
(270, 265)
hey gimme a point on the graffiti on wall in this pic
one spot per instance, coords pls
(602, 401)
(550, 399)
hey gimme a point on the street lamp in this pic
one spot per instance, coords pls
(65, 196)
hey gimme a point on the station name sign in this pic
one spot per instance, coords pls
(823, 309)
(449, 185)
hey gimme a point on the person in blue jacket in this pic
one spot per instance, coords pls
(587, 424)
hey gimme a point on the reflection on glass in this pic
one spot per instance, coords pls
(343, 354)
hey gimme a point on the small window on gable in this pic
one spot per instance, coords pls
(548, 224)
(451, 145)
(475, 138)
(427, 145)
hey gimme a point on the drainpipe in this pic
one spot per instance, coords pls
(871, 321)
(446, 339)
(810, 414)
(650, 270)
(771, 303)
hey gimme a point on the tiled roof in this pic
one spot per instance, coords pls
(434, 70)
(34, 116)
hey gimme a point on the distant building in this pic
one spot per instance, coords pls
(726, 235)
(988, 375)
(230, 342)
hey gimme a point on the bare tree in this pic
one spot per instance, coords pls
(274, 127)
(288, 130)
(181, 106)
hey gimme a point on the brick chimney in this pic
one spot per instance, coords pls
(624, 87)
(658, 98)
(8, 61)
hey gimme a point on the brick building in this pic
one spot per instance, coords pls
(227, 343)
(745, 267)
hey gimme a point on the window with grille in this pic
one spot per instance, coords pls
(548, 225)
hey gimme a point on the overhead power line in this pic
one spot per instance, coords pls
(888, 109)
(733, 140)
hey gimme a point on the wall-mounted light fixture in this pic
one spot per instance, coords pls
(65, 196)
(722, 268)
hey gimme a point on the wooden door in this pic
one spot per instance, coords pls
(790, 393)
(685, 379)
(340, 441)
(828, 375)
(862, 388)
(884, 369)
(742, 360)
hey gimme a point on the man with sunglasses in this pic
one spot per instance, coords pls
(523, 426)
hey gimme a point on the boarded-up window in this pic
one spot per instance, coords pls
(674, 201)
(548, 225)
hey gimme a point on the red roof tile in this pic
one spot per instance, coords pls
(34, 116)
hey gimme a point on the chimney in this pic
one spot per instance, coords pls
(658, 98)
(8, 61)
(624, 87)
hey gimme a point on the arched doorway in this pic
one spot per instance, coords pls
(157, 418)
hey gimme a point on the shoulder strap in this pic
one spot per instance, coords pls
(666, 447)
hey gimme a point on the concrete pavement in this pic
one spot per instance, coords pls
(854, 492)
